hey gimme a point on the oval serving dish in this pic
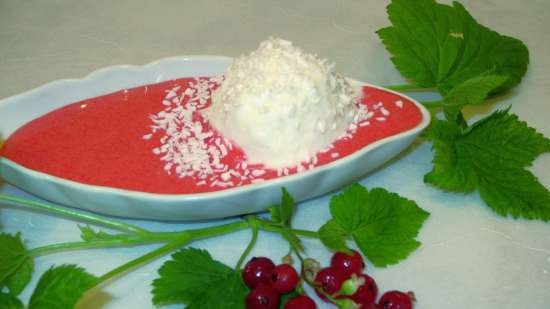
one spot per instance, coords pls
(244, 199)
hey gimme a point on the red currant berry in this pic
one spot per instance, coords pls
(347, 264)
(262, 297)
(395, 300)
(284, 278)
(300, 302)
(329, 280)
(366, 293)
(257, 270)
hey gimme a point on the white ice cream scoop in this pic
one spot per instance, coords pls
(281, 106)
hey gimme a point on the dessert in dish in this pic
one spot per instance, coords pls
(155, 138)
(119, 140)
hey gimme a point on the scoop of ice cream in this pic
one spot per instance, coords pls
(281, 105)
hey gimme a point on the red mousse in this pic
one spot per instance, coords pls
(99, 141)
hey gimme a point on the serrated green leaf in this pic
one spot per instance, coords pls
(333, 236)
(382, 224)
(437, 45)
(17, 282)
(282, 215)
(275, 213)
(490, 156)
(8, 301)
(287, 207)
(61, 287)
(515, 192)
(473, 91)
(232, 287)
(87, 233)
(347, 207)
(193, 277)
(283, 212)
(511, 139)
(449, 173)
(14, 258)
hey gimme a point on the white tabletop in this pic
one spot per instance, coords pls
(470, 257)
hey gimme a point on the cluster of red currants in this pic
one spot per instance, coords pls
(342, 283)
(267, 282)
(344, 280)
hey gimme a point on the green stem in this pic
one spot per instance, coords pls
(409, 87)
(183, 238)
(248, 248)
(268, 226)
(284, 231)
(216, 230)
(124, 240)
(173, 245)
(82, 245)
(305, 233)
(179, 239)
(56, 209)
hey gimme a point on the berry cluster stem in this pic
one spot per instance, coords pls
(254, 227)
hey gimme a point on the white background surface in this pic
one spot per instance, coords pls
(470, 258)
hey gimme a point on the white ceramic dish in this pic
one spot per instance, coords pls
(17, 110)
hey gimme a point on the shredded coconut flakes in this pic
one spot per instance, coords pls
(189, 148)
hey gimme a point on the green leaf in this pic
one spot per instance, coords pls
(8, 301)
(17, 282)
(15, 263)
(283, 212)
(194, 278)
(449, 173)
(383, 224)
(333, 236)
(473, 91)
(275, 213)
(491, 156)
(12, 254)
(443, 46)
(89, 234)
(61, 287)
